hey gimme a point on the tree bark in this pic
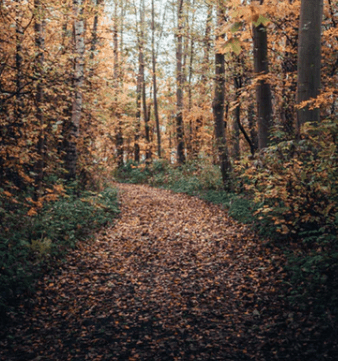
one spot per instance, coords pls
(119, 131)
(18, 64)
(157, 118)
(138, 112)
(218, 108)
(179, 87)
(94, 37)
(79, 49)
(39, 98)
(207, 46)
(237, 119)
(143, 82)
(309, 59)
(263, 91)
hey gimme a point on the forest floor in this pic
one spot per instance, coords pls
(174, 279)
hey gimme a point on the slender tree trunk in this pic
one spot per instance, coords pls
(190, 147)
(18, 64)
(94, 37)
(143, 82)
(263, 92)
(39, 98)
(179, 87)
(146, 117)
(253, 134)
(138, 93)
(79, 49)
(218, 108)
(119, 131)
(138, 112)
(238, 126)
(309, 58)
(237, 118)
(207, 47)
(204, 86)
(157, 118)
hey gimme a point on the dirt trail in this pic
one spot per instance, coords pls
(175, 279)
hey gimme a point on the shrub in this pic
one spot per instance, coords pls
(133, 172)
(295, 184)
(29, 242)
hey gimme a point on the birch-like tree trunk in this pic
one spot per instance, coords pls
(309, 58)
(79, 50)
(218, 107)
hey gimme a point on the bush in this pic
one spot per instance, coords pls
(133, 172)
(295, 184)
(29, 242)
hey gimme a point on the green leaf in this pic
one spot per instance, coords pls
(262, 20)
(234, 44)
(235, 27)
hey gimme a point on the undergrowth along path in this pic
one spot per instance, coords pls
(174, 279)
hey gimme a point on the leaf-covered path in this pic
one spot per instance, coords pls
(175, 279)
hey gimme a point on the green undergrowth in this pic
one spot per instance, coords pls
(31, 243)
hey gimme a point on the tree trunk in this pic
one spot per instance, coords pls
(190, 148)
(237, 116)
(263, 92)
(79, 49)
(39, 98)
(207, 47)
(218, 108)
(252, 129)
(18, 64)
(309, 58)
(119, 132)
(179, 87)
(138, 112)
(143, 82)
(238, 125)
(157, 118)
(94, 39)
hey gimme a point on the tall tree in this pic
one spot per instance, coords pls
(19, 32)
(116, 112)
(94, 36)
(79, 49)
(218, 104)
(263, 91)
(309, 58)
(153, 53)
(39, 98)
(179, 85)
(139, 82)
(145, 110)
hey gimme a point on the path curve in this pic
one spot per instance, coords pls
(174, 279)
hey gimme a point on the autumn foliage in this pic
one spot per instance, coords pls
(210, 98)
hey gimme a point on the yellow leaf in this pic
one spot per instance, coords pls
(32, 212)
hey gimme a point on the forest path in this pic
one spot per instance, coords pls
(174, 279)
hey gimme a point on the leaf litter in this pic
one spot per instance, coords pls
(175, 279)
